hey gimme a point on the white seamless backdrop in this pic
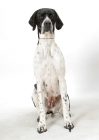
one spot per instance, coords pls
(78, 41)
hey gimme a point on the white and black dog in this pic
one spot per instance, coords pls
(50, 93)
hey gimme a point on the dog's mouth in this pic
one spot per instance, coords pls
(47, 30)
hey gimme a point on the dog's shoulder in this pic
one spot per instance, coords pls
(59, 61)
(57, 53)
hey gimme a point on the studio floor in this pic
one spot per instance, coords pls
(18, 122)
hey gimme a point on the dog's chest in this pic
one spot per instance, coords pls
(45, 67)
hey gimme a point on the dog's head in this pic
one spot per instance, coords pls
(46, 20)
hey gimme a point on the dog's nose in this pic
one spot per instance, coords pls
(47, 23)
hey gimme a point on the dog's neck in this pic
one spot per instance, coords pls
(46, 35)
(46, 40)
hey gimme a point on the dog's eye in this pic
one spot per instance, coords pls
(51, 16)
(40, 17)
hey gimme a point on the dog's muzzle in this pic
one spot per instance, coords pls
(47, 26)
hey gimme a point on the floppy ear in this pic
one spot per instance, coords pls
(32, 20)
(59, 23)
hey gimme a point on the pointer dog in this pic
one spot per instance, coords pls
(50, 93)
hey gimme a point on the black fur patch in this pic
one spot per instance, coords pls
(35, 86)
(69, 102)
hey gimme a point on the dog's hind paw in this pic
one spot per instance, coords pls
(50, 112)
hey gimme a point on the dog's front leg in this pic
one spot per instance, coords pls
(42, 123)
(63, 90)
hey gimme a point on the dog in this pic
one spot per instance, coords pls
(50, 92)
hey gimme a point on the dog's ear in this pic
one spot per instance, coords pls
(32, 20)
(59, 22)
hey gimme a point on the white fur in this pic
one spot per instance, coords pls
(49, 69)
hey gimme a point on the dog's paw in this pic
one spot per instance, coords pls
(69, 126)
(41, 128)
(50, 112)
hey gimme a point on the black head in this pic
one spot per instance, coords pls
(46, 20)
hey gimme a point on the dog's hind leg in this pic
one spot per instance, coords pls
(35, 101)
(34, 96)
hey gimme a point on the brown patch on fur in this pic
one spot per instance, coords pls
(52, 101)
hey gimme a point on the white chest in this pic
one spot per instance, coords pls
(48, 65)
(44, 56)
(44, 68)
